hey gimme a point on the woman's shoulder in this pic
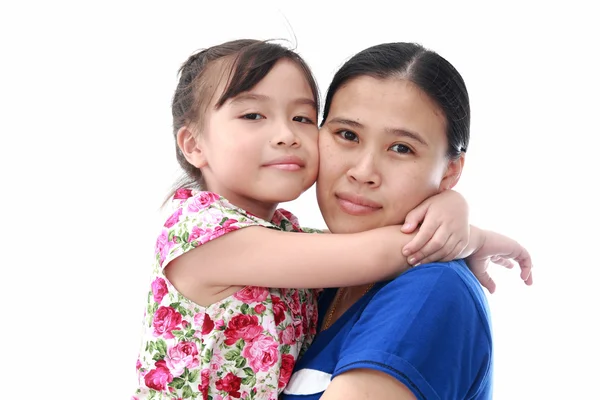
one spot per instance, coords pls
(444, 283)
(453, 273)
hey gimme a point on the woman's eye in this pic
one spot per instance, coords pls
(303, 120)
(348, 135)
(400, 148)
(253, 116)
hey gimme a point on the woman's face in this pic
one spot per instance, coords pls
(382, 152)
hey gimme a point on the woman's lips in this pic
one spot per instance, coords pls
(354, 204)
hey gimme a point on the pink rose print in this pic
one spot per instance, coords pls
(160, 377)
(261, 353)
(204, 382)
(229, 222)
(166, 319)
(296, 306)
(281, 214)
(159, 289)
(202, 201)
(230, 384)
(138, 364)
(219, 325)
(212, 216)
(183, 355)
(242, 327)
(217, 361)
(279, 309)
(173, 219)
(199, 319)
(252, 294)
(198, 233)
(182, 194)
(287, 366)
(314, 318)
(260, 308)
(162, 245)
(288, 335)
(207, 325)
(221, 230)
(299, 329)
(204, 320)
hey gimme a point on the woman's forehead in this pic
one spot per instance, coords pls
(384, 104)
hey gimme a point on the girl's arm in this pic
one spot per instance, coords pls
(444, 234)
(258, 256)
(487, 246)
(255, 256)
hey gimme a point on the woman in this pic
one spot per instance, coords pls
(395, 131)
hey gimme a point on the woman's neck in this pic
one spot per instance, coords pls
(346, 297)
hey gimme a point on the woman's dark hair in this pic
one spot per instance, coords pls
(432, 73)
(244, 63)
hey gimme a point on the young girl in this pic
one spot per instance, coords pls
(228, 318)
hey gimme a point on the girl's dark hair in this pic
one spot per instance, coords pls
(244, 63)
(432, 73)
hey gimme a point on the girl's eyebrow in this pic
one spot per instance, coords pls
(245, 97)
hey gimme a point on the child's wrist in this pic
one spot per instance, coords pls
(476, 241)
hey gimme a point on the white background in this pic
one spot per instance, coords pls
(87, 157)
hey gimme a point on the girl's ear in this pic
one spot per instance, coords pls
(191, 146)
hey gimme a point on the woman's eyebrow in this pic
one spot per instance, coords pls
(404, 133)
(346, 121)
(392, 131)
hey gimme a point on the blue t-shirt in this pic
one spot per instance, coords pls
(429, 328)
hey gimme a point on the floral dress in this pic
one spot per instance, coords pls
(242, 347)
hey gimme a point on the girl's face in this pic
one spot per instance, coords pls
(382, 152)
(260, 148)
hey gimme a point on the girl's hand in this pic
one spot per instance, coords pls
(488, 246)
(444, 230)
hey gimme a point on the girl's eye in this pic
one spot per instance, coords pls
(400, 148)
(303, 120)
(348, 135)
(253, 116)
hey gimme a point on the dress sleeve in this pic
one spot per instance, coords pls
(198, 219)
(427, 329)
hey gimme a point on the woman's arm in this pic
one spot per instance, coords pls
(360, 384)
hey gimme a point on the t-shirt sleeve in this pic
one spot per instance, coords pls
(425, 328)
(197, 220)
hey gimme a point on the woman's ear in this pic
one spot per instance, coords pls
(191, 146)
(453, 172)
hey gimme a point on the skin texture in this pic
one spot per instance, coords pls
(384, 143)
(383, 152)
(237, 142)
(275, 119)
